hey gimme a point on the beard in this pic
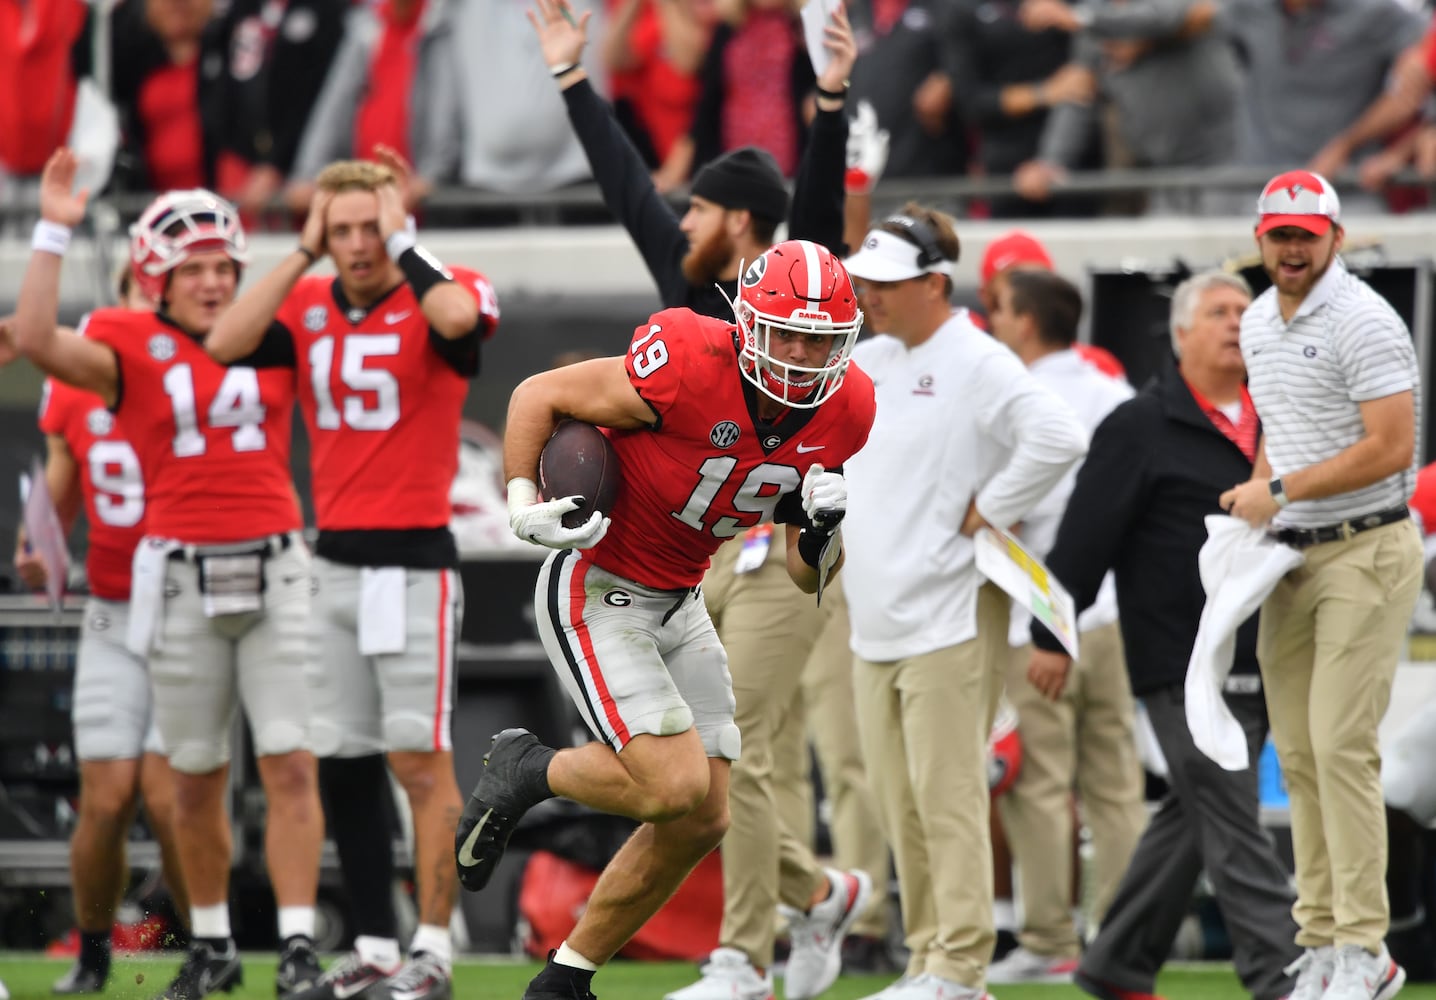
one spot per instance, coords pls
(705, 261)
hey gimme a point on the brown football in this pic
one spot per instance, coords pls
(579, 460)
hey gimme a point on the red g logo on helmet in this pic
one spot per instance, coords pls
(796, 288)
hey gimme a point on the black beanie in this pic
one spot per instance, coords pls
(746, 178)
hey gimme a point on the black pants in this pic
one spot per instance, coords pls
(1209, 820)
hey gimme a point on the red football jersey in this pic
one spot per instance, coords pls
(213, 442)
(110, 482)
(711, 468)
(381, 404)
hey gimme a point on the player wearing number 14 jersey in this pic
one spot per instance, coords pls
(220, 585)
(718, 427)
(383, 354)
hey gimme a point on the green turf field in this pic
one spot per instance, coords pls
(29, 978)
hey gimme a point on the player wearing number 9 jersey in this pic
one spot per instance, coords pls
(718, 426)
(383, 354)
(220, 585)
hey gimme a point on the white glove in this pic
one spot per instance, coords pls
(542, 523)
(867, 150)
(825, 497)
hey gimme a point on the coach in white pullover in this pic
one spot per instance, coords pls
(964, 437)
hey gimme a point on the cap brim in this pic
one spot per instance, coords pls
(1317, 225)
(874, 265)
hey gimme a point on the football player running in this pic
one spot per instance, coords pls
(717, 427)
(382, 354)
(220, 585)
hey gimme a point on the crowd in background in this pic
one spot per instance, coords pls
(251, 97)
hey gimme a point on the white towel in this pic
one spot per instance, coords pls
(1240, 565)
(383, 610)
(1406, 778)
(147, 592)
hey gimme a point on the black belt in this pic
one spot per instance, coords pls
(1301, 538)
(270, 545)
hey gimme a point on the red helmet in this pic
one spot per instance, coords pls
(1004, 750)
(796, 287)
(176, 225)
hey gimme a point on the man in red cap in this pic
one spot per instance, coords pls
(1333, 374)
(1019, 248)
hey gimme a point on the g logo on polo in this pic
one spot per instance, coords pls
(100, 422)
(316, 318)
(618, 598)
(99, 622)
(725, 434)
(161, 347)
(755, 272)
(1309, 351)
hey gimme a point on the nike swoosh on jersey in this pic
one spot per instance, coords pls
(804, 449)
(466, 850)
(396, 317)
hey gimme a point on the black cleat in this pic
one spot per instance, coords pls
(298, 968)
(559, 982)
(350, 978)
(422, 977)
(510, 785)
(205, 971)
(81, 979)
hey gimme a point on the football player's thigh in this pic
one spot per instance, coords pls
(343, 688)
(699, 668)
(416, 686)
(112, 687)
(277, 658)
(192, 670)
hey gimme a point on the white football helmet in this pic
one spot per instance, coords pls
(176, 225)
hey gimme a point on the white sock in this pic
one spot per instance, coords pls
(1004, 915)
(382, 953)
(296, 920)
(567, 956)
(434, 940)
(210, 921)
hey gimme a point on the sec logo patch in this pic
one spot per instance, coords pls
(725, 434)
(161, 347)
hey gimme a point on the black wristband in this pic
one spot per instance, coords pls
(810, 545)
(307, 252)
(565, 69)
(833, 95)
(422, 271)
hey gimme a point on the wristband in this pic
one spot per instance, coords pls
(522, 493)
(811, 542)
(399, 241)
(422, 271)
(857, 181)
(566, 68)
(308, 253)
(50, 237)
(833, 95)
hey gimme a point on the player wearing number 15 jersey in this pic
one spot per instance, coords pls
(220, 585)
(383, 354)
(718, 426)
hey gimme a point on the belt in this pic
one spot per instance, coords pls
(1301, 538)
(270, 545)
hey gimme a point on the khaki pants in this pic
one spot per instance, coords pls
(768, 626)
(858, 841)
(1330, 637)
(923, 723)
(1085, 740)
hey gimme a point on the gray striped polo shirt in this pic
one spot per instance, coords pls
(1344, 346)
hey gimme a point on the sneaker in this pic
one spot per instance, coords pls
(1023, 966)
(891, 990)
(422, 977)
(1313, 971)
(930, 987)
(1107, 991)
(205, 971)
(298, 968)
(727, 975)
(81, 979)
(350, 978)
(817, 936)
(1361, 975)
(494, 809)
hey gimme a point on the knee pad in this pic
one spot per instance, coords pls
(199, 756)
(408, 733)
(280, 737)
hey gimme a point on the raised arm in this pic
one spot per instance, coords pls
(83, 363)
(240, 329)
